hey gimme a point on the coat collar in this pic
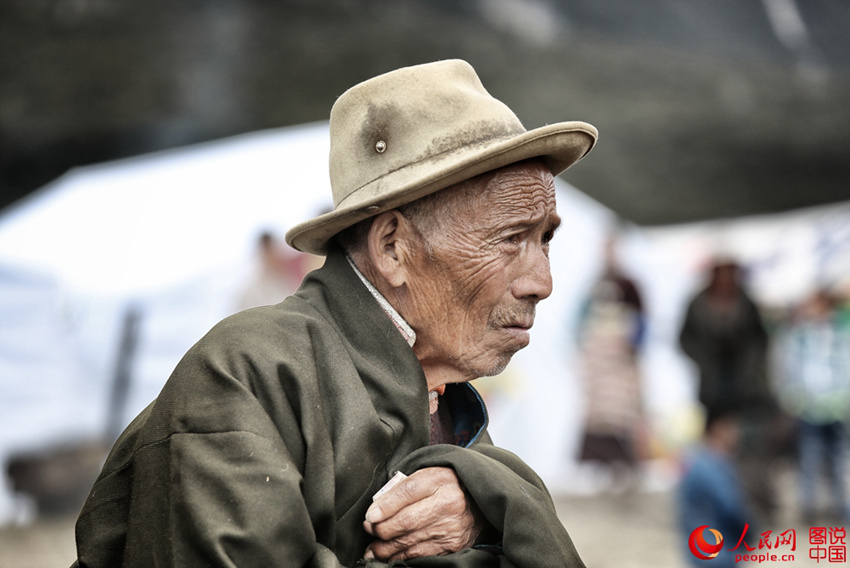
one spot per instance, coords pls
(403, 327)
(385, 361)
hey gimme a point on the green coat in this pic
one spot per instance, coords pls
(266, 444)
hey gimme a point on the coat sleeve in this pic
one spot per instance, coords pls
(688, 337)
(512, 498)
(223, 499)
(232, 499)
(204, 478)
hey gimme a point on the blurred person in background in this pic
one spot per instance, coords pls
(842, 305)
(723, 333)
(611, 335)
(277, 274)
(274, 440)
(710, 491)
(813, 385)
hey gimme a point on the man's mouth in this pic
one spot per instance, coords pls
(517, 321)
(525, 324)
(519, 330)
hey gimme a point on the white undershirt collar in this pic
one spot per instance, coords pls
(405, 330)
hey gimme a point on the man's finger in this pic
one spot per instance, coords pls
(410, 546)
(420, 485)
(434, 515)
(410, 520)
(406, 535)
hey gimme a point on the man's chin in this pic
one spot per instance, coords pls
(502, 362)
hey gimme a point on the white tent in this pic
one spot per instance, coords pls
(171, 236)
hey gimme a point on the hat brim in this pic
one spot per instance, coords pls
(558, 145)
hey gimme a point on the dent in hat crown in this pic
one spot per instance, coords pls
(406, 119)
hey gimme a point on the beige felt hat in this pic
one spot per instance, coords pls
(413, 131)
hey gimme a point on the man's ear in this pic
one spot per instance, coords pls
(389, 246)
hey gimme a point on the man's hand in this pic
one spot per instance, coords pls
(427, 514)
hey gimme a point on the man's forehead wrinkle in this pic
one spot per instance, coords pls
(519, 186)
(521, 207)
(476, 213)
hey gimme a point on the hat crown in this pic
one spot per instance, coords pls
(407, 118)
(417, 130)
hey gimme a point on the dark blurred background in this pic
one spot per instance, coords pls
(707, 108)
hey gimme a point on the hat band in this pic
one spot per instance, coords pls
(462, 145)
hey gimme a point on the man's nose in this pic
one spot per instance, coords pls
(535, 281)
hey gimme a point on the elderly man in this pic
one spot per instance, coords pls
(272, 442)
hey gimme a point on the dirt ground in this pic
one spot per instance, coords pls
(617, 532)
(638, 530)
(629, 530)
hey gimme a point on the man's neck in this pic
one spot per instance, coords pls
(437, 374)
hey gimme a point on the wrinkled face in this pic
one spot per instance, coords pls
(479, 275)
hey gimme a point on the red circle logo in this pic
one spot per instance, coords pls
(700, 547)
